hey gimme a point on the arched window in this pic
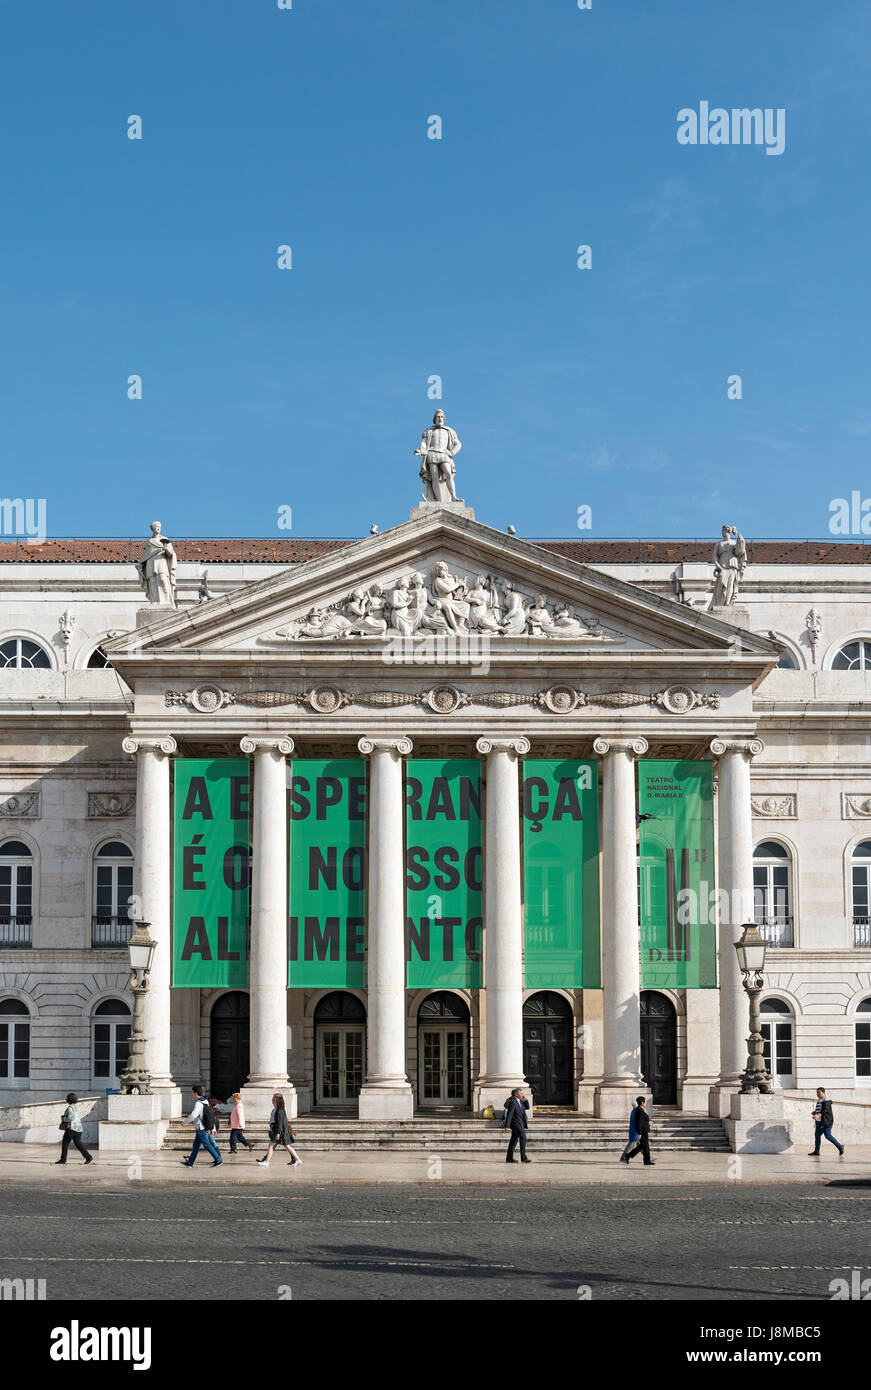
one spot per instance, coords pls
(14, 1041)
(772, 905)
(21, 653)
(860, 873)
(787, 662)
(98, 660)
(863, 1042)
(113, 886)
(855, 656)
(110, 1042)
(16, 894)
(777, 1042)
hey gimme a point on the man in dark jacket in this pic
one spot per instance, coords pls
(641, 1120)
(515, 1120)
(824, 1117)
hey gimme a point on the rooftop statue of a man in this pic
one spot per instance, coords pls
(157, 568)
(438, 446)
(730, 562)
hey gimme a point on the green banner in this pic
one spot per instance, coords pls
(212, 873)
(327, 862)
(678, 933)
(561, 874)
(444, 873)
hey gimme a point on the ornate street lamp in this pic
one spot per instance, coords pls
(136, 1079)
(751, 962)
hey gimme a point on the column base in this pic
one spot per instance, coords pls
(170, 1096)
(135, 1125)
(756, 1125)
(720, 1097)
(387, 1100)
(495, 1092)
(614, 1100)
(257, 1096)
(693, 1092)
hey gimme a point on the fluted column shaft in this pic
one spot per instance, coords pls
(386, 1093)
(621, 935)
(267, 969)
(735, 855)
(503, 922)
(152, 903)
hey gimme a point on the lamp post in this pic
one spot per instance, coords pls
(135, 1078)
(751, 961)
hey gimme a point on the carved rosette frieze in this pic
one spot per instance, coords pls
(110, 805)
(775, 807)
(855, 806)
(441, 699)
(20, 806)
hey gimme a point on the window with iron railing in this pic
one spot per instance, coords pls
(860, 869)
(16, 894)
(772, 910)
(113, 887)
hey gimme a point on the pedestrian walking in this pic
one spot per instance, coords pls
(824, 1117)
(280, 1132)
(71, 1124)
(202, 1118)
(515, 1119)
(641, 1121)
(237, 1124)
(631, 1147)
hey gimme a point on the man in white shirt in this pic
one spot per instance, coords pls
(202, 1137)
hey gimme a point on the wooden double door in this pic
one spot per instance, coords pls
(659, 1046)
(230, 1045)
(548, 1031)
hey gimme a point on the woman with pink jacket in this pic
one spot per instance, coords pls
(237, 1123)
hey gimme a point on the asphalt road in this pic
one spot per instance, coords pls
(738, 1242)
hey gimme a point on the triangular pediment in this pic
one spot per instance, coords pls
(440, 573)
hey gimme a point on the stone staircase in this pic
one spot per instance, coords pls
(674, 1131)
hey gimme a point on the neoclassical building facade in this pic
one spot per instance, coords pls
(411, 819)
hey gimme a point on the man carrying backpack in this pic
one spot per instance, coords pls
(823, 1117)
(203, 1118)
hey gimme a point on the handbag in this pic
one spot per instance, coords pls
(64, 1124)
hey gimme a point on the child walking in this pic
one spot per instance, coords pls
(237, 1123)
(280, 1132)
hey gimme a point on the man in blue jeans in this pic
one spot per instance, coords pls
(202, 1136)
(824, 1118)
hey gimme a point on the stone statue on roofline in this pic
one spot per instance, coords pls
(730, 562)
(157, 568)
(438, 446)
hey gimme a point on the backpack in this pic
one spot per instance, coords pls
(208, 1118)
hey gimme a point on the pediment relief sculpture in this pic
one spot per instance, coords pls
(413, 605)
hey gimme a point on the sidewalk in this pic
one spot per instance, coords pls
(34, 1163)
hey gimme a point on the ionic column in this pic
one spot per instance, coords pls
(621, 934)
(152, 879)
(735, 897)
(267, 968)
(502, 1064)
(386, 1094)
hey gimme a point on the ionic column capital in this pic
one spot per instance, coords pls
(750, 747)
(166, 744)
(637, 746)
(519, 746)
(253, 743)
(402, 745)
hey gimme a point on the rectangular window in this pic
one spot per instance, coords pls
(863, 1049)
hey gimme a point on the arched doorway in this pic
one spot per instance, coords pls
(230, 1055)
(443, 1050)
(547, 1048)
(340, 1049)
(659, 1046)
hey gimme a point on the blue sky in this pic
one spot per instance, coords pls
(414, 257)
